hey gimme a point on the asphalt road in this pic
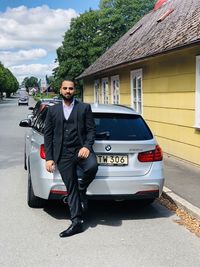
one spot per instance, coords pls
(116, 235)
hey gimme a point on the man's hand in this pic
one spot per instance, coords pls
(83, 153)
(50, 165)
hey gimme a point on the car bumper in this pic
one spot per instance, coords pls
(23, 102)
(52, 187)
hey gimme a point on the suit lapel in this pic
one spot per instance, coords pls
(61, 111)
(60, 114)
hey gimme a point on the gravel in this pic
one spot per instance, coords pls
(185, 219)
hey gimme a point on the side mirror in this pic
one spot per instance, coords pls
(31, 108)
(30, 116)
(25, 123)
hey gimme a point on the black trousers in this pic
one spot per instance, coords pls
(67, 166)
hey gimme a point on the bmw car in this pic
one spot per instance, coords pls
(40, 105)
(129, 157)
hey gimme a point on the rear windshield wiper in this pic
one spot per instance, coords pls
(102, 135)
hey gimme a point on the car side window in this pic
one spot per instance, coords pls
(36, 108)
(40, 121)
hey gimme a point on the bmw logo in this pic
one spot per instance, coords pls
(108, 147)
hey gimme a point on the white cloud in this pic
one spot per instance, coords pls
(32, 34)
(25, 28)
(37, 70)
(12, 58)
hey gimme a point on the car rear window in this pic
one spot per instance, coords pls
(23, 93)
(121, 127)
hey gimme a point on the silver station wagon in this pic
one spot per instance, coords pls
(130, 159)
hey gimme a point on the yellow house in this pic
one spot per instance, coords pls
(155, 68)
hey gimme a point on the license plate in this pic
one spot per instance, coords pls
(112, 160)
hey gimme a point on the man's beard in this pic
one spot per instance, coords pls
(69, 98)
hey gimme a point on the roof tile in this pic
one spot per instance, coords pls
(149, 37)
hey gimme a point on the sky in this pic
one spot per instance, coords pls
(32, 30)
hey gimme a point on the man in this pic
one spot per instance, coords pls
(68, 138)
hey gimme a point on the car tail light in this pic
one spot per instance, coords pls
(42, 152)
(152, 155)
(59, 192)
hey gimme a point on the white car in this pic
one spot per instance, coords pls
(130, 159)
(23, 97)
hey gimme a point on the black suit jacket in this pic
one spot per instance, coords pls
(53, 131)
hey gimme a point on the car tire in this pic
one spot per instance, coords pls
(32, 200)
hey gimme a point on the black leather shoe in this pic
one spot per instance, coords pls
(73, 229)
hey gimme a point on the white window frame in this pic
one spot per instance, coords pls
(97, 91)
(137, 98)
(197, 94)
(115, 92)
(105, 90)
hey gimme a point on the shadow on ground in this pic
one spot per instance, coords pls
(8, 100)
(110, 213)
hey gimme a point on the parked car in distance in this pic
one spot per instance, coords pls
(129, 157)
(23, 98)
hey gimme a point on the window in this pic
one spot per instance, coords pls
(109, 127)
(96, 91)
(197, 96)
(136, 90)
(115, 89)
(105, 91)
(40, 121)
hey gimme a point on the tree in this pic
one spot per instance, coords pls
(23, 84)
(118, 16)
(50, 83)
(11, 83)
(2, 79)
(78, 49)
(93, 32)
(8, 82)
(30, 82)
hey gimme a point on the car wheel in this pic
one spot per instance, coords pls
(32, 200)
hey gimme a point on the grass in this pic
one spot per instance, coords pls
(39, 96)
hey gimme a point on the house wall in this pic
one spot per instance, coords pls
(169, 103)
(88, 91)
(124, 76)
(168, 100)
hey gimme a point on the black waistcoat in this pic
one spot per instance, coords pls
(70, 135)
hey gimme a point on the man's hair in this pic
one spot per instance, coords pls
(69, 80)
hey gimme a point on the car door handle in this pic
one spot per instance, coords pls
(32, 140)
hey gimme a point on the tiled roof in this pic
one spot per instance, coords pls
(149, 37)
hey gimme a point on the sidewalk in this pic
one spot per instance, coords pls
(182, 184)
